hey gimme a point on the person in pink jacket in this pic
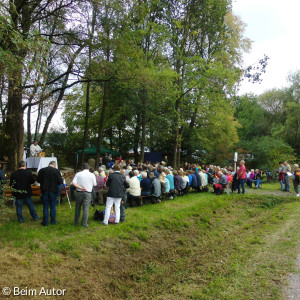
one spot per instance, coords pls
(241, 176)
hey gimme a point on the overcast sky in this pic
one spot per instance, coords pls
(274, 28)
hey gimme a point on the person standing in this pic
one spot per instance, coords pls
(257, 178)
(2, 180)
(296, 179)
(281, 175)
(49, 178)
(35, 149)
(21, 181)
(106, 161)
(286, 172)
(84, 181)
(99, 188)
(116, 184)
(124, 200)
(241, 176)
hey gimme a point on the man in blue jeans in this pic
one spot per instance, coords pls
(49, 178)
(21, 182)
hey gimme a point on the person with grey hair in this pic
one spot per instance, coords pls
(145, 185)
(49, 178)
(156, 187)
(296, 179)
(134, 191)
(286, 172)
(84, 181)
(221, 184)
(241, 176)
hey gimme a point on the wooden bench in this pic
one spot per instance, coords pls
(36, 192)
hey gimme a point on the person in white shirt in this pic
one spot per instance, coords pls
(134, 191)
(84, 182)
(35, 149)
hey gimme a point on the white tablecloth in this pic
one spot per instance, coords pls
(40, 162)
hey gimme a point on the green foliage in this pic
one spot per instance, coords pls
(64, 146)
(268, 152)
(270, 125)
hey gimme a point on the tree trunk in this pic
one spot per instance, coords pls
(151, 138)
(15, 125)
(52, 113)
(191, 128)
(143, 140)
(101, 124)
(86, 122)
(110, 133)
(60, 96)
(87, 102)
(176, 141)
(29, 137)
(179, 146)
(137, 138)
(106, 26)
(38, 121)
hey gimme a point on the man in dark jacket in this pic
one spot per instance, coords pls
(116, 184)
(21, 182)
(49, 178)
(198, 185)
(106, 161)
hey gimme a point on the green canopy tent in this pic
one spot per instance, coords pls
(93, 151)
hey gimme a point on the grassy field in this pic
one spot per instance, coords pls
(196, 247)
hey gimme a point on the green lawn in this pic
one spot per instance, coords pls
(196, 247)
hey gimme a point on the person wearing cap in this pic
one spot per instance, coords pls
(84, 181)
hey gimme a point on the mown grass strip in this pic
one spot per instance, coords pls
(194, 247)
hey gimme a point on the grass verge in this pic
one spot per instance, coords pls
(194, 247)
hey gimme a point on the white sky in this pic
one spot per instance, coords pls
(274, 28)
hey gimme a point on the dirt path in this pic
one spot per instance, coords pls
(277, 193)
(292, 291)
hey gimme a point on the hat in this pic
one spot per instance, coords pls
(96, 173)
(129, 168)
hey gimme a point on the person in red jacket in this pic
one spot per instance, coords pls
(241, 176)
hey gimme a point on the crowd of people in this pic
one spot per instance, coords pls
(120, 184)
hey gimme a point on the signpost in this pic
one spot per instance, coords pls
(235, 160)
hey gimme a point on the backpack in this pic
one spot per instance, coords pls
(99, 215)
